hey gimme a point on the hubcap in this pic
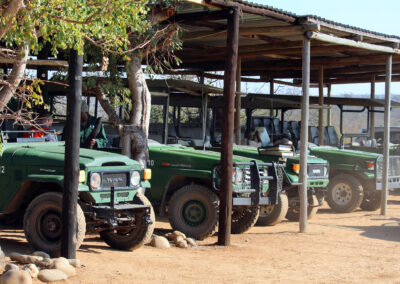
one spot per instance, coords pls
(50, 226)
(342, 193)
(194, 212)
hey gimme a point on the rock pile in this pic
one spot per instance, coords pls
(23, 268)
(177, 238)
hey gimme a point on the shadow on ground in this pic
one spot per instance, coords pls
(389, 231)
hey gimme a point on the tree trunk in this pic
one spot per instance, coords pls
(9, 13)
(133, 138)
(17, 74)
(140, 95)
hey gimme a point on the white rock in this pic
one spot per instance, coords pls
(50, 275)
(191, 242)
(11, 266)
(41, 253)
(177, 233)
(2, 261)
(75, 262)
(66, 268)
(31, 269)
(160, 242)
(16, 277)
(182, 244)
(47, 262)
(60, 260)
(179, 239)
(16, 257)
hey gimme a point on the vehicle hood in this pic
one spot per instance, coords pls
(336, 153)
(52, 154)
(187, 157)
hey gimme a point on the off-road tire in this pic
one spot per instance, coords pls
(135, 238)
(276, 213)
(293, 213)
(42, 210)
(371, 201)
(243, 218)
(340, 185)
(194, 198)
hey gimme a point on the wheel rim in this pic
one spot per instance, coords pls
(266, 210)
(49, 226)
(194, 213)
(342, 193)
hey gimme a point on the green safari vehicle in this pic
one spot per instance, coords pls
(355, 178)
(318, 179)
(111, 194)
(186, 188)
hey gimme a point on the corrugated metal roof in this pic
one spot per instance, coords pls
(321, 20)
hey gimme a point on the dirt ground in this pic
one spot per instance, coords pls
(361, 247)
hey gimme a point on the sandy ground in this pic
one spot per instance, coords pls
(361, 247)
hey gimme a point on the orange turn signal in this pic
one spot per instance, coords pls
(371, 166)
(147, 174)
(296, 168)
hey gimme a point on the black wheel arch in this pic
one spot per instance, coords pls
(28, 191)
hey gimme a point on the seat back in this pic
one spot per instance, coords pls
(326, 136)
(294, 129)
(257, 122)
(313, 134)
(277, 125)
(263, 135)
(333, 136)
(268, 125)
(285, 128)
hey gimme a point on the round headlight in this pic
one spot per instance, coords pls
(95, 180)
(135, 178)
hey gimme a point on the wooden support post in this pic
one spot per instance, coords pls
(165, 120)
(386, 137)
(204, 111)
(238, 100)
(372, 115)
(329, 120)
(271, 92)
(71, 163)
(225, 209)
(321, 103)
(304, 135)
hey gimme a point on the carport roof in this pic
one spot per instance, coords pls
(271, 40)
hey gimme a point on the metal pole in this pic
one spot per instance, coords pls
(304, 135)
(165, 122)
(225, 208)
(71, 163)
(321, 103)
(238, 100)
(372, 115)
(386, 134)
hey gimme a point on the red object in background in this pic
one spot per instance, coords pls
(35, 134)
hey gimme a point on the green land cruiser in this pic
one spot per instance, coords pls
(355, 178)
(318, 179)
(186, 188)
(111, 194)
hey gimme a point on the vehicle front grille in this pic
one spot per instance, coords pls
(116, 180)
(316, 170)
(394, 166)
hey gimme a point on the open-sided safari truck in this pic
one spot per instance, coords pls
(355, 174)
(186, 188)
(111, 194)
(196, 133)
